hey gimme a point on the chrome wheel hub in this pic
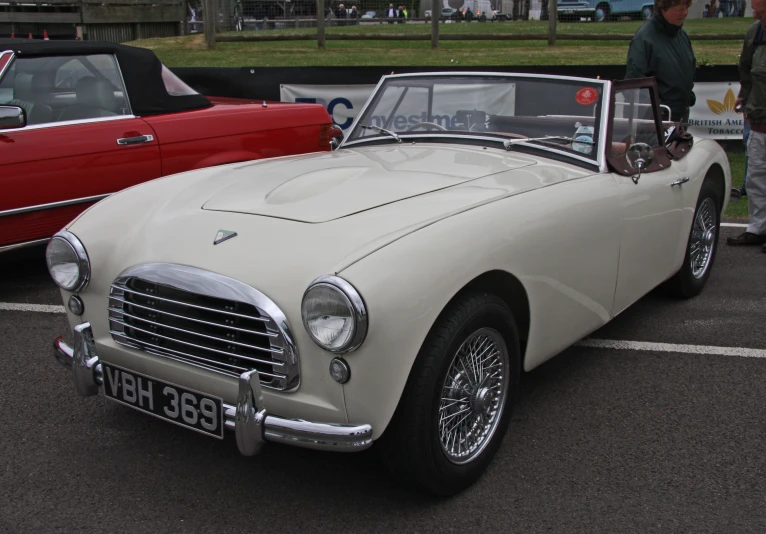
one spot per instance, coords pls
(702, 241)
(473, 395)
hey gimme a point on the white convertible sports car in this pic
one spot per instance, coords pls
(470, 227)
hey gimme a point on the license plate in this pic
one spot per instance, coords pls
(568, 12)
(179, 405)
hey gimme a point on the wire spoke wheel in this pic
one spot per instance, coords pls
(473, 395)
(703, 238)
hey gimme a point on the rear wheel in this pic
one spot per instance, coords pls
(457, 403)
(602, 13)
(701, 247)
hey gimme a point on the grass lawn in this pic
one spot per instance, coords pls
(191, 51)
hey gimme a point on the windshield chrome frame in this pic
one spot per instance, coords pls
(599, 161)
(7, 63)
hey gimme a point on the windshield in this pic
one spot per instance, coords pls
(556, 113)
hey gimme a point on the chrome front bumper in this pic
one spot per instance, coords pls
(251, 424)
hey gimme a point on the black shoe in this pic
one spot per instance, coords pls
(746, 238)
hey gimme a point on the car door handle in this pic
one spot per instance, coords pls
(139, 139)
(680, 181)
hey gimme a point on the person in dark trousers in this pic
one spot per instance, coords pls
(391, 13)
(752, 100)
(661, 48)
(723, 8)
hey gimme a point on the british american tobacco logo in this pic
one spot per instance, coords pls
(727, 106)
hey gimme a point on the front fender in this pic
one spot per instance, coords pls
(407, 284)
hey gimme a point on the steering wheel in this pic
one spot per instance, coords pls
(426, 124)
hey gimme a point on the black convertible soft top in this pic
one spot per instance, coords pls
(141, 70)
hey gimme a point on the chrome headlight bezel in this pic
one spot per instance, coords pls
(80, 257)
(357, 309)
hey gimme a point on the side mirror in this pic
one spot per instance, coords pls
(639, 156)
(12, 118)
(336, 136)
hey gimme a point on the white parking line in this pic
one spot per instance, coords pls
(671, 347)
(734, 225)
(589, 342)
(45, 308)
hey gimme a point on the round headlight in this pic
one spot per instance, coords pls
(334, 314)
(67, 261)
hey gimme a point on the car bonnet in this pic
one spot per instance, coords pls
(322, 188)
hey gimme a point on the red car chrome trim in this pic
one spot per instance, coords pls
(5, 60)
(70, 123)
(23, 245)
(52, 205)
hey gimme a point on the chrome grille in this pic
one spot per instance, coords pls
(204, 319)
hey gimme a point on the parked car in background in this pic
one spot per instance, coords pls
(469, 228)
(450, 13)
(82, 120)
(370, 15)
(602, 10)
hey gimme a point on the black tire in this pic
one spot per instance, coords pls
(411, 446)
(689, 281)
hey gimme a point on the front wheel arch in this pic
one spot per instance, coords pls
(412, 446)
(510, 289)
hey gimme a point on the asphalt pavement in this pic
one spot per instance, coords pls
(602, 440)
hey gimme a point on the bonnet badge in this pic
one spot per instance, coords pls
(223, 235)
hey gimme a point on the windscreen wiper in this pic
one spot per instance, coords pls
(510, 142)
(383, 130)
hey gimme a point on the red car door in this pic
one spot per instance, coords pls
(52, 173)
(80, 142)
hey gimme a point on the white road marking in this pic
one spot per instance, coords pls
(734, 225)
(671, 347)
(45, 308)
(589, 342)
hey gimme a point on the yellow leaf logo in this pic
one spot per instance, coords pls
(727, 106)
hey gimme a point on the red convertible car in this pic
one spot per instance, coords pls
(81, 120)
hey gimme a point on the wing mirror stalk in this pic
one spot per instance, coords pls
(336, 136)
(639, 156)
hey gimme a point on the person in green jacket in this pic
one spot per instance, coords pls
(661, 48)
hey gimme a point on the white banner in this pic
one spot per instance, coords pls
(343, 102)
(712, 116)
